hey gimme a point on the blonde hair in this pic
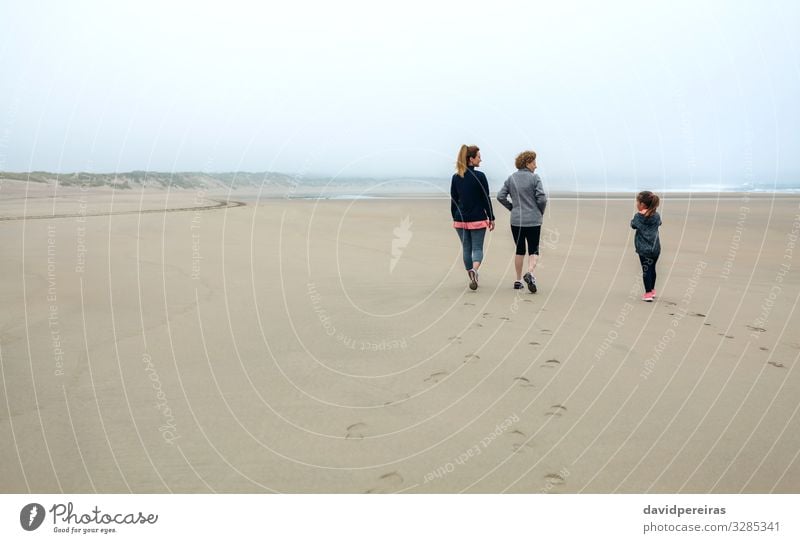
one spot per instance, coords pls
(524, 158)
(464, 154)
(650, 201)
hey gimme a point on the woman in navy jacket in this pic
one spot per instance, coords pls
(471, 208)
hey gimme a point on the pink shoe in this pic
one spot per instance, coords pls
(653, 292)
(648, 296)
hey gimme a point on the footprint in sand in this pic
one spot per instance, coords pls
(504, 318)
(546, 331)
(726, 336)
(669, 303)
(468, 303)
(455, 339)
(706, 324)
(776, 364)
(554, 479)
(471, 358)
(527, 301)
(436, 376)
(556, 410)
(484, 315)
(356, 431)
(697, 314)
(756, 328)
(534, 343)
(477, 325)
(523, 381)
(400, 398)
(519, 446)
(763, 348)
(552, 363)
(387, 483)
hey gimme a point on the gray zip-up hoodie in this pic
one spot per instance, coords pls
(646, 240)
(528, 199)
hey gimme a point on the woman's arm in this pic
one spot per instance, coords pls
(502, 196)
(539, 194)
(488, 208)
(454, 200)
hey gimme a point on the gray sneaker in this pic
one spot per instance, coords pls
(531, 281)
(473, 279)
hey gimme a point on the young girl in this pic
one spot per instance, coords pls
(471, 209)
(648, 247)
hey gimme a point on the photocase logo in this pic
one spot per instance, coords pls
(31, 516)
(402, 236)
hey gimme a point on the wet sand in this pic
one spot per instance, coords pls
(333, 346)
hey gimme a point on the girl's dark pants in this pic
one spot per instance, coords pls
(649, 271)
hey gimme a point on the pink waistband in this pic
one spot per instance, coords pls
(473, 225)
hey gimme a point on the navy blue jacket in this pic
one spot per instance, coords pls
(469, 197)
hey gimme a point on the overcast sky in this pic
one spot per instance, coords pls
(606, 92)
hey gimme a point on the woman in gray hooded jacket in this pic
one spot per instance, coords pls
(527, 204)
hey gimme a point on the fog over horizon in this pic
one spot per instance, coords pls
(616, 95)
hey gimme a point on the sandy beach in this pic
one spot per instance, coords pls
(333, 346)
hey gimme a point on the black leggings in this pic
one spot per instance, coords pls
(529, 234)
(649, 271)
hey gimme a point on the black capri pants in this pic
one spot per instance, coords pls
(529, 235)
